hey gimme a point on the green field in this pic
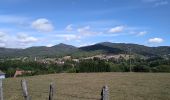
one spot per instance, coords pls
(87, 86)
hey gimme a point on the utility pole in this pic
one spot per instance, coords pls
(130, 67)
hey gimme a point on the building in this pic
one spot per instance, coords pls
(2, 75)
(18, 72)
(67, 57)
(21, 72)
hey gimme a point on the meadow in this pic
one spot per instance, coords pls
(87, 86)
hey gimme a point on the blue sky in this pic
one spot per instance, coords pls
(25, 23)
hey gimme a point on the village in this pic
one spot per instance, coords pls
(61, 61)
(70, 64)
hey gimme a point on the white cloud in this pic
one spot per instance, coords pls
(42, 25)
(155, 40)
(49, 45)
(161, 3)
(86, 44)
(2, 34)
(142, 33)
(3, 37)
(24, 38)
(2, 44)
(68, 37)
(116, 29)
(157, 2)
(85, 31)
(76, 34)
(20, 40)
(69, 27)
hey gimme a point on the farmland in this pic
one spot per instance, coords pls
(87, 86)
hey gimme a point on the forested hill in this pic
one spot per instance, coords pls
(57, 50)
(99, 48)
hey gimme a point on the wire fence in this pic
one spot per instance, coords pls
(26, 96)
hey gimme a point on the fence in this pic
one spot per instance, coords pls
(104, 92)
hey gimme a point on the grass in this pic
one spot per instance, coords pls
(87, 86)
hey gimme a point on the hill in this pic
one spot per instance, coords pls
(116, 48)
(57, 50)
(42, 51)
(99, 48)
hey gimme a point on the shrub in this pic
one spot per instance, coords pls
(72, 70)
(161, 68)
(141, 68)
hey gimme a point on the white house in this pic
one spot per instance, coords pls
(2, 75)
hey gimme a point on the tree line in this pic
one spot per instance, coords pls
(154, 64)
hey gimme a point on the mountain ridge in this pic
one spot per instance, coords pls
(98, 48)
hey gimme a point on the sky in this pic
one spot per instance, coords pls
(26, 23)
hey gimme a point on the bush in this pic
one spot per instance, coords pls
(115, 68)
(141, 68)
(72, 70)
(161, 68)
(93, 66)
(124, 67)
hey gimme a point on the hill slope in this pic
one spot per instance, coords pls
(125, 48)
(57, 50)
(99, 48)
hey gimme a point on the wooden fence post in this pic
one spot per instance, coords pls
(105, 93)
(25, 89)
(1, 90)
(51, 91)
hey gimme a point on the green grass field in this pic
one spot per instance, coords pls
(87, 86)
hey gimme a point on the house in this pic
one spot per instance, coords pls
(20, 72)
(76, 60)
(67, 57)
(2, 75)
